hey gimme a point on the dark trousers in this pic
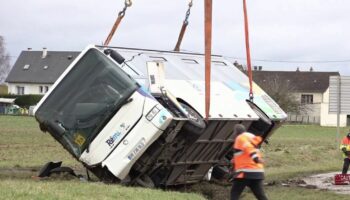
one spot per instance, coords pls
(346, 165)
(255, 185)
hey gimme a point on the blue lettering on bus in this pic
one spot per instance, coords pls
(113, 138)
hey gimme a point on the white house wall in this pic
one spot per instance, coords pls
(313, 110)
(317, 97)
(330, 119)
(28, 88)
(318, 111)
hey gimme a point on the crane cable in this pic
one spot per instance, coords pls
(184, 26)
(208, 10)
(121, 15)
(246, 30)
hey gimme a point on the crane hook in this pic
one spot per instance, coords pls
(121, 15)
(128, 3)
(184, 26)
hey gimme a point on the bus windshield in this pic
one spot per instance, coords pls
(85, 100)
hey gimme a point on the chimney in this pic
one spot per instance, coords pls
(311, 69)
(29, 48)
(44, 53)
(260, 68)
(298, 70)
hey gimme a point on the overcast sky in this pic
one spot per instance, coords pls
(299, 33)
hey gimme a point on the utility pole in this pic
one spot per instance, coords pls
(338, 109)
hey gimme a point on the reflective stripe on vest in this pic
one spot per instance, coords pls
(249, 170)
(238, 153)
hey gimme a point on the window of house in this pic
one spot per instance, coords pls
(46, 88)
(41, 89)
(307, 99)
(20, 90)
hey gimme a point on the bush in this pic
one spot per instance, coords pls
(25, 101)
(9, 96)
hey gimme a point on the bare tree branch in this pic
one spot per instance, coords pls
(283, 92)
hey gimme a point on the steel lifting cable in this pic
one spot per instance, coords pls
(246, 30)
(184, 26)
(121, 15)
(208, 9)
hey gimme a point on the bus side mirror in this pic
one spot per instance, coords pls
(115, 55)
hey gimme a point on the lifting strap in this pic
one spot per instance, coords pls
(207, 30)
(121, 15)
(246, 30)
(184, 26)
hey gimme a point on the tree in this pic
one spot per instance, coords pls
(283, 92)
(5, 66)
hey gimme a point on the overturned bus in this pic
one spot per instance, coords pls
(136, 116)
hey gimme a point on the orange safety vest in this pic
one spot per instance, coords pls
(345, 143)
(246, 150)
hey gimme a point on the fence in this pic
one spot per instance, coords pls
(303, 119)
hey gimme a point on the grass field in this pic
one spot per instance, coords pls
(24, 149)
(27, 189)
(294, 151)
(22, 144)
(299, 150)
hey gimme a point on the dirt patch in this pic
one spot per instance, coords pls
(325, 182)
(214, 190)
(320, 182)
(27, 173)
(211, 190)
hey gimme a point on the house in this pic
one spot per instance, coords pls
(35, 71)
(310, 88)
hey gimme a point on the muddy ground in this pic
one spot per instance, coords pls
(325, 182)
(214, 190)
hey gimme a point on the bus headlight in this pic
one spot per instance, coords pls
(152, 113)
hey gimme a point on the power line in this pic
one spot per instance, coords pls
(293, 61)
(268, 60)
(281, 61)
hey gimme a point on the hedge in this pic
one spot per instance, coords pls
(24, 101)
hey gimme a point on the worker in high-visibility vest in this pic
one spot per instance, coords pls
(345, 147)
(248, 164)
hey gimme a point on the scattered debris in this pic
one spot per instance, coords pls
(56, 171)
